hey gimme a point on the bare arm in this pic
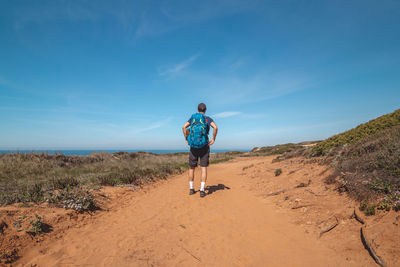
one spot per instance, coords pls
(215, 131)
(184, 130)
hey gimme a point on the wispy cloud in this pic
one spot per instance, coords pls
(137, 19)
(254, 115)
(154, 126)
(177, 68)
(228, 89)
(226, 114)
(171, 17)
(236, 65)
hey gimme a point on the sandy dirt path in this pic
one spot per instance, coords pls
(164, 226)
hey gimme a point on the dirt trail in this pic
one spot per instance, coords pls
(164, 226)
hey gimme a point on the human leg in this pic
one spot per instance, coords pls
(203, 178)
(191, 175)
(193, 159)
(204, 162)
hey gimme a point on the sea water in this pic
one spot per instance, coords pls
(85, 152)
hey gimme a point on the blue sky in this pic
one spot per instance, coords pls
(128, 74)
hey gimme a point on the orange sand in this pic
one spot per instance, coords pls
(235, 225)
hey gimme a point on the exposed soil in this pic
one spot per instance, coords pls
(250, 217)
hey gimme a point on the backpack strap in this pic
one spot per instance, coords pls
(202, 119)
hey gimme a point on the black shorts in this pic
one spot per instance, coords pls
(202, 153)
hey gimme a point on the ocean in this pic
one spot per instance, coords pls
(82, 152)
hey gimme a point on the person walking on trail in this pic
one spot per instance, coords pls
(197, 139)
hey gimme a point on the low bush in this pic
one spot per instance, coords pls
(291, 154)
(58, 178)
(13, 193)
(370, 210)
(274, 150)
(220, 160)
(278, 172)
(76, 198)
(109, 179)
(34, 193)
(370, 168)
(37, 226)
(64, 182)
(8, 257)
(247, 167)
(396, 205)
(356, 134)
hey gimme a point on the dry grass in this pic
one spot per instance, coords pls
(356, 134)
(275, 150)
(369, 170)
(65, 180)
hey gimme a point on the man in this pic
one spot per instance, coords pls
(199, 144)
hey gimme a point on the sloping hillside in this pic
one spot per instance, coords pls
(356, 134)
(369, 170)
(366, 162)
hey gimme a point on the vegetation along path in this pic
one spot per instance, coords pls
(164, 226)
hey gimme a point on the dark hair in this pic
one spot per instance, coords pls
(202, 107)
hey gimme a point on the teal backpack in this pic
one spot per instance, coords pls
(198, 136)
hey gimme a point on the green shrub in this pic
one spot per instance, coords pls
(36, 226)
(64, 182)
(129, 179)
(384, 206)
(275, 150)
(76, 198)
(9, 197)
(381, 186)
(370, 210)
(364, 206)
(367, 208)
(247, 167)
(110, 179)
(278, 172)
(392, 200)
(34, 193)
(396, 205)
(356, 134)
(33, 176)
(22, 193)
(370, 167)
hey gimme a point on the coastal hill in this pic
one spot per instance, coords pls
(358, 133)
(332, 202)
